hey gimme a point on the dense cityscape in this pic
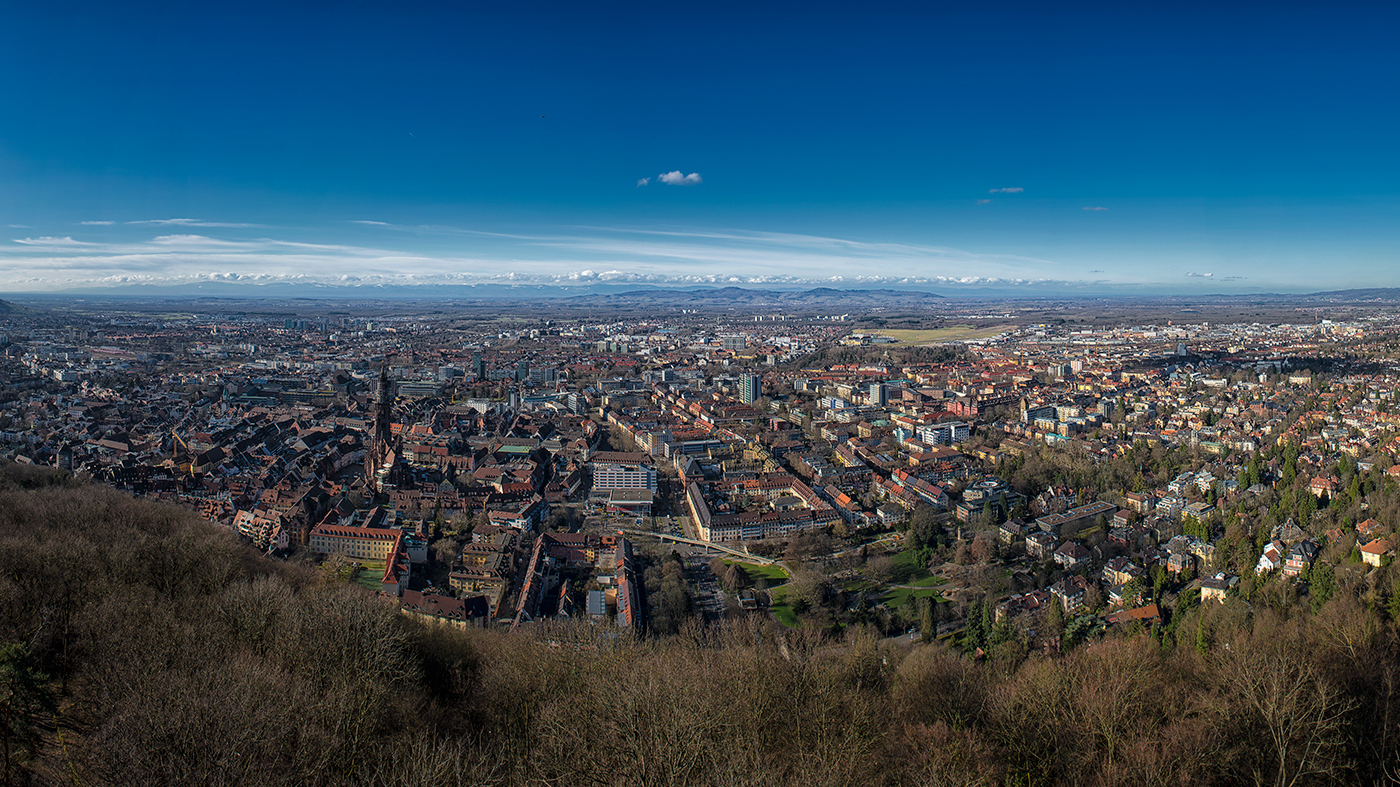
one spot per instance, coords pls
(946, 503)
(805, 466)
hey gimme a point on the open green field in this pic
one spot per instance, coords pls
(773, 575)
(901, 596)
(369, 574)
(952, 333)
(856, 585)
(908, 570)
(784, 615)
(781, 609)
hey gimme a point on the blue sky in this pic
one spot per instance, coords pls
(1101, 146)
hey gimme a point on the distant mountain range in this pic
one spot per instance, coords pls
(1369, 294)
(603, 294)
(582, 296)
(711, 297)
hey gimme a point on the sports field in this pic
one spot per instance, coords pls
(952, 333)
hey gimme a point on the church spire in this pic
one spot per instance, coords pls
(381, 433)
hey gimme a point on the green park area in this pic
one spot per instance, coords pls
(369, 574)
(899, 597)
(771, 574)
(909, 569)
(781, 607)
(911, 580)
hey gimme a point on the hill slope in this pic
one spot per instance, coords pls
(176, 656)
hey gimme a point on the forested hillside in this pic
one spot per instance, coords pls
(142, 646)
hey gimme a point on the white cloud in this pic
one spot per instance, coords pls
(97, 223)
(1007, 190)
(574, 257)
(193, 223)
(1095, 207)
(983, 201)
(643, 181)
(675, 178)
(1201, 275)
(50, 241)
(199, 241)
(372, 223)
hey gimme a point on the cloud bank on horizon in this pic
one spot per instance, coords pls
(124, 253)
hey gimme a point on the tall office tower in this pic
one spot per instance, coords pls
(750, 387)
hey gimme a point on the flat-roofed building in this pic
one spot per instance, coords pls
(623, 470)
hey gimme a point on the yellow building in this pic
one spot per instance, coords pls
(365, 543)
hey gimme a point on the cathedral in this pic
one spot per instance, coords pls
(382, 448)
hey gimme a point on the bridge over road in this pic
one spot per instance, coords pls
(747, 557)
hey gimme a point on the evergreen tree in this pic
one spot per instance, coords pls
(1306, 507)
(23, 697)
(1002, 633)
(988, 616)
(1322, 587)
(973, 633)
(1055, 619)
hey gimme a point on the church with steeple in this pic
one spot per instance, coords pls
(383, 448)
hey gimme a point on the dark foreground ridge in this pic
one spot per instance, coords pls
(144, 646)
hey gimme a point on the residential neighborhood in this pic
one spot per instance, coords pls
(539, 471)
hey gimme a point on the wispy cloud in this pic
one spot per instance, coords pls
(202, 242)
(194, 223)
(1200, 275)
(1007, 190)
(430, 254)
(96, 223)
(642, 182)
(983, 201)
(370, 223)
(51, 241)
(1094, 207)
(675, 178)
(590, 254)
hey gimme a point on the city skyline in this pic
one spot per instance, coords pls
(1091, 149)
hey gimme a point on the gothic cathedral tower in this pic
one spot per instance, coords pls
(378, 453)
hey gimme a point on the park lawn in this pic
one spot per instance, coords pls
(907, 569)
(898, 597)
(773, 575)
(951, 333)
(927, 582)
(370, 574)
(784, 615)
(781, 609)
(856, 585)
